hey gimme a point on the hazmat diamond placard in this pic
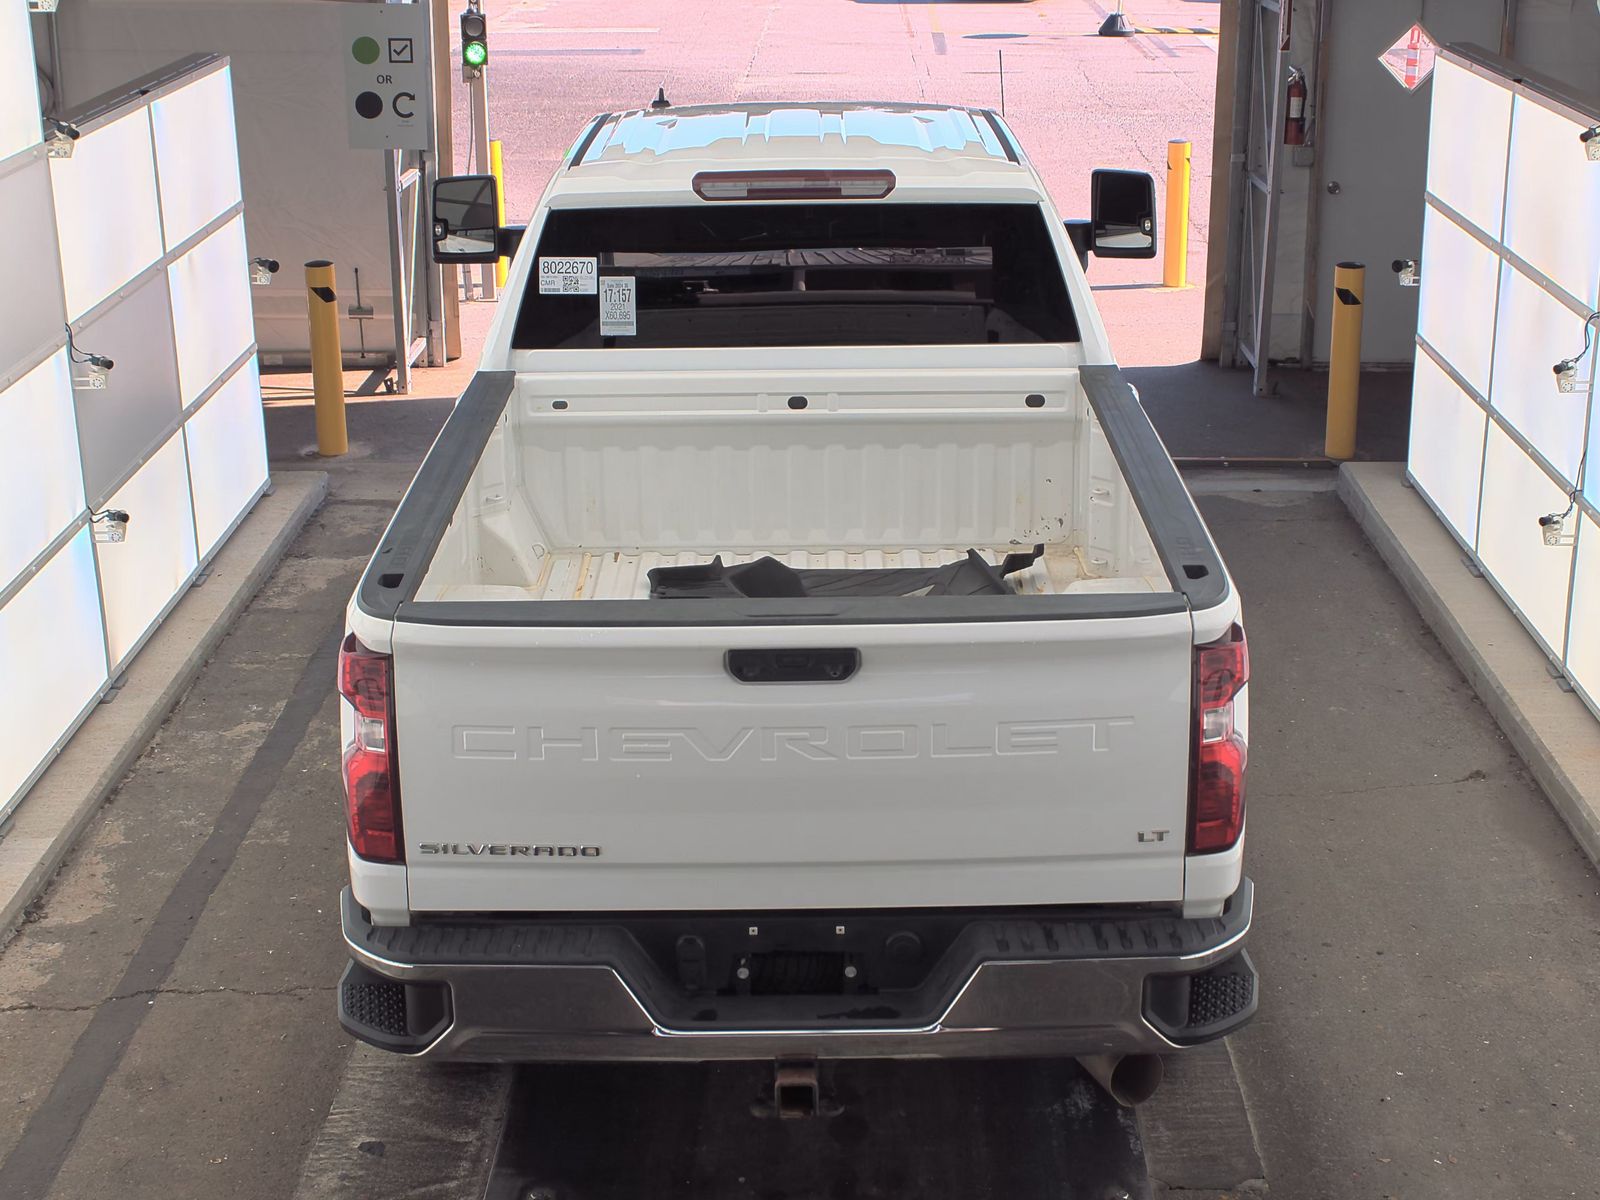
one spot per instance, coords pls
(1410, 60)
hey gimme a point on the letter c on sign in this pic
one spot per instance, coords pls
(403, 113)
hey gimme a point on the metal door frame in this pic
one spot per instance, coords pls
(1257, 164)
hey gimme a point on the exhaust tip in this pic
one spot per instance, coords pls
(1129, 1079)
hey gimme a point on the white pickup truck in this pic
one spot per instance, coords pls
(798, 641)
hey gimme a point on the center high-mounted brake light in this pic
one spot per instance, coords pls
(1216, 776)
(793, 185)
(371, 783)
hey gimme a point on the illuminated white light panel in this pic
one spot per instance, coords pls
(52, 659)
(41, 483)
(1516, 493)
(140, 575)
(19, 88)
(227, 455)
(1535, 331)
(1583, 651)
(1552, 200)
(196, 154)
(1467, 145)
(1447, 428)
(1455, 312)
(107, 216)
(211, 308)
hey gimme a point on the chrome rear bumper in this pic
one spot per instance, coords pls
(1005, 986)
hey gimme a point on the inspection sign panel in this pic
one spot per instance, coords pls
(387, 79)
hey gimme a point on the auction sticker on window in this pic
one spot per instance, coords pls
(618, 306)
(568, 276)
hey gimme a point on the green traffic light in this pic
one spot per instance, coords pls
(474, 54)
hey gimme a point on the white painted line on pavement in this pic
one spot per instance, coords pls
(573, 29)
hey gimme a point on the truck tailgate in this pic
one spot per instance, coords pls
(983, 763)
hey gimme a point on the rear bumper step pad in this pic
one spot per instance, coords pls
(1003, 985)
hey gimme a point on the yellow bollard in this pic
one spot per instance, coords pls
(497, 168)
(1175, 267)
(327, 359)
(1344, 360)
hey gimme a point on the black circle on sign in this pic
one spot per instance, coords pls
(369, 105)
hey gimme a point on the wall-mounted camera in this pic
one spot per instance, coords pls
(1567, 377)
(1590, 138)
(1408, 270)
(110, 525)
(59, 138)
(1553, 529)
(1567, 369)
(262, 270)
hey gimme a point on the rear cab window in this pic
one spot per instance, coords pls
(819, 274)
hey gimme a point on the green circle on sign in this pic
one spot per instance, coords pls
(365, 49)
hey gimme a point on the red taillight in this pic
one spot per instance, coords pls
(793, 185)
(371, 788)
(1216, 783)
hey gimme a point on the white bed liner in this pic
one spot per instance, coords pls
(613, 575)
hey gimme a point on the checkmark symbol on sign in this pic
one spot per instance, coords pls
(400, 50)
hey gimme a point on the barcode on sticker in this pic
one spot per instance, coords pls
(618, 306)
(568, 276)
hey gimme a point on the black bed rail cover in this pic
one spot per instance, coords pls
(408, 545)
(1181, 539)
(389, 586)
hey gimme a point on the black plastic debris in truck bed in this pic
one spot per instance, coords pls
(767, 577)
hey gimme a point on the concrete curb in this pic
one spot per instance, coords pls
(1552, 730)
(45, 826)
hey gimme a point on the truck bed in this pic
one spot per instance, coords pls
(614, 575)
(587, 483)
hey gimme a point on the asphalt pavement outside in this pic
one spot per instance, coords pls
(1427, 930)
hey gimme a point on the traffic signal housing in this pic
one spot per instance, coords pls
(474, 40)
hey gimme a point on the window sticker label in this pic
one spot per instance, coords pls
(618, 306)
(568, 276)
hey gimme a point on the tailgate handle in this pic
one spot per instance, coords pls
(792, 666)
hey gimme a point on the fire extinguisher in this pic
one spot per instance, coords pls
(1294, 124)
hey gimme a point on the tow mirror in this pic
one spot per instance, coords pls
(466, 219)
(1122, 214)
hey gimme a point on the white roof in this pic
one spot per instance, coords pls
(658, 151)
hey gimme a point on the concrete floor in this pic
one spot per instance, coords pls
(1426, 927)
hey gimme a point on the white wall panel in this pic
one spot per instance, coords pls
(19, 91)
(140, 401)
(52, 660)
(1456, 309)
(1534, 332)
(1516, 493)
(211, 308)
(1591, 473)
(41, 487)
(30, 317)
(1552, 199)
(196, 154)
(140, 575)
(1447, 429)
(106, 211)
(227, 455)
(1583, 650)
(1467, 144)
